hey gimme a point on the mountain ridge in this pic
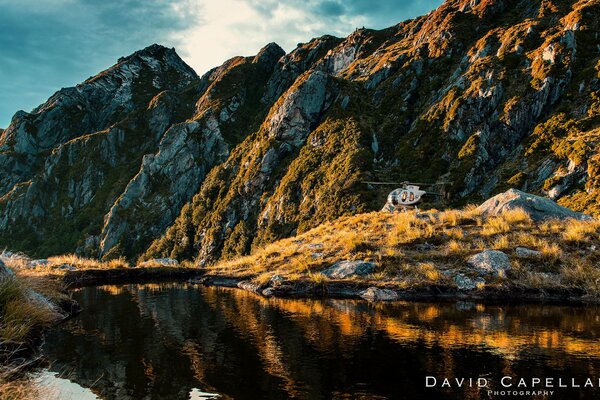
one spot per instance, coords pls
(483, 94)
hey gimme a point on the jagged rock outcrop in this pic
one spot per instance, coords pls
(89, 107)
(483, 95)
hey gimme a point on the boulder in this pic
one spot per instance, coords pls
(537, 207)
(377, 294)
(524, 252)
(65, 267)
(349, 268)
(43, 302)
(463, 282)
(249, 286)
(165, 262)
(39, 263)
(490, 262)
(5, 272)
(276, 280)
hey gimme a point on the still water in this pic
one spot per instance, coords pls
(178, 341)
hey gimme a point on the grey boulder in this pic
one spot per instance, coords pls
(524, 252)
(5, 272)
(377, 294)
(490, 262)
(537, 207)
(463, 282)
(349, 268)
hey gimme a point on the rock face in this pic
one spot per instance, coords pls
(377, 294)
(490, 262)
(146, 159)
(538, 208)
(348, 269)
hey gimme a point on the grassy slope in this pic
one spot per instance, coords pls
(414, 252)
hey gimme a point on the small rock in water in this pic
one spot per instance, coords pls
(377, 294)
(524, 252)
(249, 286)
(465, 305)
(490, 262)
(348, 268)
(463, 282)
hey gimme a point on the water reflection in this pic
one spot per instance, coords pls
(173, 341)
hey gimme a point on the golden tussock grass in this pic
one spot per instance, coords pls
(502, 242)
(494, 226)
(457, 248)
(412, 249)
(583, 275)
(581, 231)
(20, 312)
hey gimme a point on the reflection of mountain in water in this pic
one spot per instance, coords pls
(159, 342)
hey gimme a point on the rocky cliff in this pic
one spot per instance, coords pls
(148, 159)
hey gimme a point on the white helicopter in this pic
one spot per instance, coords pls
(408, 195)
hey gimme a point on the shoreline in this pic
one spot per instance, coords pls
(333, 289)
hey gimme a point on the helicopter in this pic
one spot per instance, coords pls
(406, 196)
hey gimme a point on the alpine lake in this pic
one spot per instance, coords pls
(186, 341)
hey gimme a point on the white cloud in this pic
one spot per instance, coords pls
(236, 27)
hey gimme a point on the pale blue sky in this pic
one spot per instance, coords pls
(49, 44)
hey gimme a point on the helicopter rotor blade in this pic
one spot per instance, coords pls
(384, 183)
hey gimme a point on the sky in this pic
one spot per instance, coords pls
(49, 44)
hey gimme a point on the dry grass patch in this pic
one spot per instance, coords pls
(583, 275)
(423, 272)
(516, 216)
(20, 313)
(494, 226)
(551, 252)
(412, 249)
(502, 243)
(581, 231)
(456, 248)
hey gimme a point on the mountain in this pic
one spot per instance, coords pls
(148, 159)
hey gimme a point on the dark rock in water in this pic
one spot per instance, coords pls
(348, 269)
(377, 294)
(537, 207)
(490, 262)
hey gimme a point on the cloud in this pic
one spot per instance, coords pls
(242, 27)
(49, 44)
